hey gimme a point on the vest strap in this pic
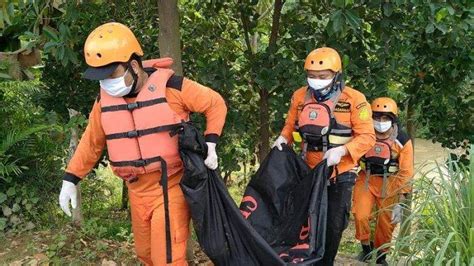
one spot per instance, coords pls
(164, 184)
(143, 132)
(342, 132)
(136, 163)
(132, 106)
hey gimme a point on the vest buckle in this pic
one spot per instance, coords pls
(132, 106)
(132, 134)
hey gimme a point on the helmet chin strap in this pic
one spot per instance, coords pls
(133, 92)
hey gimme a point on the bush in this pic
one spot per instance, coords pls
(30, 152)
(442, 218)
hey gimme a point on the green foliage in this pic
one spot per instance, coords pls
(442, 218)
(17, 208)
(29, 155)
(417, 52)
(8, 166)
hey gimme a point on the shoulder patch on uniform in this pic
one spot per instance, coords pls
(343, 107)
(402, 137)
(364, 113)
(175, 82)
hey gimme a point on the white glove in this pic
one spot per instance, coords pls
(211, 160)
(68, 193)
(334, 155)
(397, 214)
(278, 142)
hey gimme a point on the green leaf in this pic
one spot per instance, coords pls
(387, 9)
(352, 18)
(51, 33)
(6, 211)
(6, 16)
(3, 197)
(345, 60)
(337, 20)
(11, 191)
(429, 28)
(2, 24)
(3, 224)
(442, 28)
(339, 3)
(49, 45)
(441, 14)
(450, 10)
(5, 76)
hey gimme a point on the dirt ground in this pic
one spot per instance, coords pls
(38, 247)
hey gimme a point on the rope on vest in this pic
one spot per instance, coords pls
(164, 185)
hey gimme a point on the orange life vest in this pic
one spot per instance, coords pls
(138, 134)
(318, 126)
(380, 158)
(380, 161)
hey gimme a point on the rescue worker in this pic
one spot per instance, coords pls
(384, 181)
(335, 123)
(136, 115)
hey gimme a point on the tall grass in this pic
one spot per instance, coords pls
(442, 219)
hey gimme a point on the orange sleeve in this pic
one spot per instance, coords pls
(90, 148)
(291, 119)
(201, 99)
(362, 126)
(405, 172)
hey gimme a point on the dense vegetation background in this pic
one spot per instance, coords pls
(252, 52)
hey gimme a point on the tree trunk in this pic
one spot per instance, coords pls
(169, 41)
(264, 148)
(169, 36)
(275, 25)
(77, 217)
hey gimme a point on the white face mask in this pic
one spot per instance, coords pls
(382, 127)
(116, 87)
(319, 84)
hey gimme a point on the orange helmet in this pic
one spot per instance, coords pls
(323, 59)
(109, 43)
(385, 105)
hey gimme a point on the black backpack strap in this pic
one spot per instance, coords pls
(175, 82)
(402, 137)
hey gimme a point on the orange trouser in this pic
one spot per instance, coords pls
(148, 225)
(363, 203)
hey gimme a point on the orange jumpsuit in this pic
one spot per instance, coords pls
(357, 115)
(352, 110)
(364, 200)
(146, 199)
